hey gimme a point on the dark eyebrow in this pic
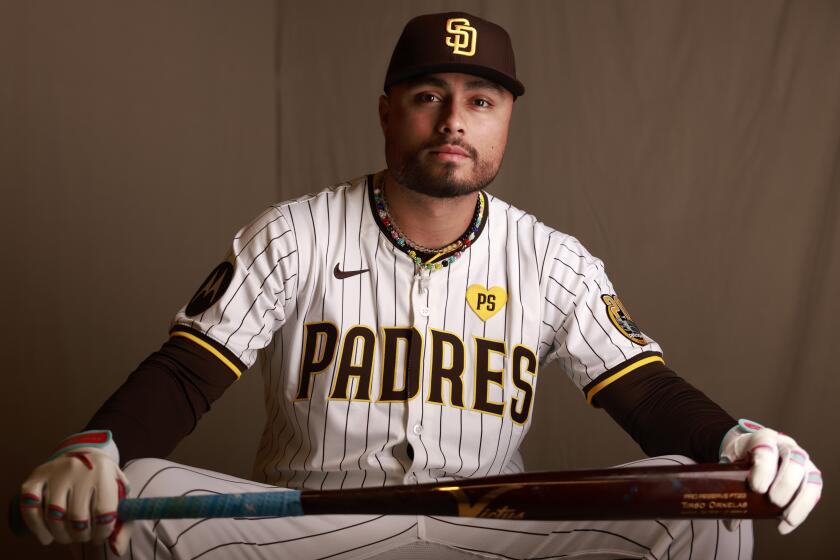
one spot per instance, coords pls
(481, 83)
(478, 83)
(427, 81)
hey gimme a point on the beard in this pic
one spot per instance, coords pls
(440, 180)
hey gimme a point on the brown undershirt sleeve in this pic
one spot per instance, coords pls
(665, 414)
(163, 399)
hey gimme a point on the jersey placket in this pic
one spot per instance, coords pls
(420, 312)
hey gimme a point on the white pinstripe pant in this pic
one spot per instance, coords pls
(345, 537)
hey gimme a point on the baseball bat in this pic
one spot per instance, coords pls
(667, 492)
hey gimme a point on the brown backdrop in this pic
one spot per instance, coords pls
(693, 146)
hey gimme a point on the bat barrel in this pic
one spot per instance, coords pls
(695, 491)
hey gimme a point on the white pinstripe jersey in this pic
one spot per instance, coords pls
(391, 375)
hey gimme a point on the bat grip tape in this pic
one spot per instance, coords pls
(249, 504)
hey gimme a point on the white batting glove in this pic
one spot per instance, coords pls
(778, 465)
(73, 497)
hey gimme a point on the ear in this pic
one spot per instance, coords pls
(384, 107)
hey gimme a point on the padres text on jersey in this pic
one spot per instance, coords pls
(433, 372)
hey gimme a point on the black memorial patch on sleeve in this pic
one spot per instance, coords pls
(211, 290)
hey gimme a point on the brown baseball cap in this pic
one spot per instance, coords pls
(454, 42)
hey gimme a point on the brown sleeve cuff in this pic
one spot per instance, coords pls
(612, 375)
(218, 351)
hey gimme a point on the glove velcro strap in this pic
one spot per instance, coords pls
(749, 426)
(91, 439)
(743, 426)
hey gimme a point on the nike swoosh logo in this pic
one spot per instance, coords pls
(344, 274)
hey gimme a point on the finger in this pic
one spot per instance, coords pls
(764, 449)
(805, 501)
(32, 511)
(785, 527)
(55, 513)
(79, 513)
(731, 524)
(105, 503)
(118, 541)
(792, 462)
(125, 486)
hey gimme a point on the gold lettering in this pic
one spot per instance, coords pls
(466, 508)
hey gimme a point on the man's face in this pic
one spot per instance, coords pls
(445, 134)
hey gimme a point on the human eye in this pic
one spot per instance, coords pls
(482, 102)
(427, 97)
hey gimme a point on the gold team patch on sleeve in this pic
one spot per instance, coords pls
(486, 303)
(622, 320)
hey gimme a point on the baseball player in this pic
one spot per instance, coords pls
(403, 317)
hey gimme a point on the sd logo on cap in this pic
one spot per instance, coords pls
(448, 42)
(461, 37)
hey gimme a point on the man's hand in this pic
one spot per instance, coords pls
(73, 497)
(780, 468)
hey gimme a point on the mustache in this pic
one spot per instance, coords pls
(473, 153)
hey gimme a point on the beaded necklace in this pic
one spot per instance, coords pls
(414, 250)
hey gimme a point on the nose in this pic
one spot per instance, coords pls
(451, 119)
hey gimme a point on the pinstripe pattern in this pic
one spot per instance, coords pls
(283, 280)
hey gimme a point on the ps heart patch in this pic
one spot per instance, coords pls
(484, 302)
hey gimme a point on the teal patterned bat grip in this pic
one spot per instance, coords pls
(249, 504)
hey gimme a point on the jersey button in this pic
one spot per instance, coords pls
(417, 429)
(425, 311)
